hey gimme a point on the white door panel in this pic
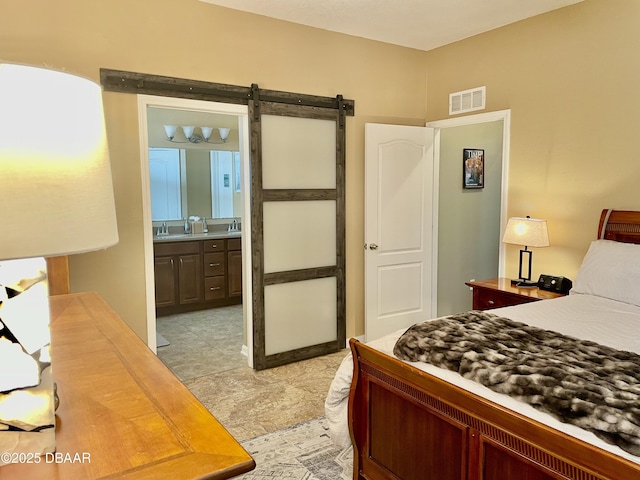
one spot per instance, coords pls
(400, 288)
(300, 314)
(399, 275)
(306, 243)
(400, 194)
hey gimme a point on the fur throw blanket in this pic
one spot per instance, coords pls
(579, 382)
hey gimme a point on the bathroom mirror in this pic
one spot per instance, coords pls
(188, 182)
(193, 178)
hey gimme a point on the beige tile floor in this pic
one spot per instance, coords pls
(205, 353)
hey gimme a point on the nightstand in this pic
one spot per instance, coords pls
(498, 292)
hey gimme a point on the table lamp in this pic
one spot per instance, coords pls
(57, 199)
(530, 232)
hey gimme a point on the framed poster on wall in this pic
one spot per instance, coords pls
(472, 168)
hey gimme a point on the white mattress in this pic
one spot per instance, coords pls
(589, 317)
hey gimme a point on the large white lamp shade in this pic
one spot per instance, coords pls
(57, 198)
(55, 177)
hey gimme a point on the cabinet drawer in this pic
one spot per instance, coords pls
(213, 264)
(214, 288)
(175, 248)
(487, 299)
(214, 245)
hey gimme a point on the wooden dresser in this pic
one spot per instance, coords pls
(122, 413)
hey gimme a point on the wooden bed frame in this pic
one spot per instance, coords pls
(406, 424)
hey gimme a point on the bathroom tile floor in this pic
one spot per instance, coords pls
(205, 354)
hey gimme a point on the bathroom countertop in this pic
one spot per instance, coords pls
(185, 237)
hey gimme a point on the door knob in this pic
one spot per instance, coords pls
(373, 246)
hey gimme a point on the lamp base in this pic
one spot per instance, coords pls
(27, 415)
(520, 283)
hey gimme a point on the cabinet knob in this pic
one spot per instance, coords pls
(491, 302)
(214, 264)
(215, 288)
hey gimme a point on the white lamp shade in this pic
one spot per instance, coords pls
(224, 133)
(206, 132)
(170, 131)
(188, 131)
(55, 182)
(530, 232)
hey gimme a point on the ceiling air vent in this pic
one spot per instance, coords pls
(467, 100)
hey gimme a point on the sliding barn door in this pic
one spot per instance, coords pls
(298, 230)
(297, 210)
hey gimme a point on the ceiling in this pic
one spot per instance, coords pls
(420, 24)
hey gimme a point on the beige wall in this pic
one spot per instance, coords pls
(190, 39)
(571, 80)
(569, 77)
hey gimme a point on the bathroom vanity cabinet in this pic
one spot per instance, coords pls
(197, 274)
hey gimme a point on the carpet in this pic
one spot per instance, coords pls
(300, 452)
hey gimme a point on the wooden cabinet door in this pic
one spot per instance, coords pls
(234, 265)
(165, 274)
(190, 278)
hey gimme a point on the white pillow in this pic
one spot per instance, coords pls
(611, 270)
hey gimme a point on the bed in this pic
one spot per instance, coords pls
(414, 421)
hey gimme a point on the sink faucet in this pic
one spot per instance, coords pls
(233, 226)
(163, 230)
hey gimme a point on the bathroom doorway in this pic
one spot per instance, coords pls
(153, 113)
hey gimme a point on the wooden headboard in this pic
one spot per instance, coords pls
(619, 225)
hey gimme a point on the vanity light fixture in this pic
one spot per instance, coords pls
(192, 137)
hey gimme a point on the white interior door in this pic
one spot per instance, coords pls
(400, 274)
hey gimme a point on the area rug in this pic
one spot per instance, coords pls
(301, 452)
